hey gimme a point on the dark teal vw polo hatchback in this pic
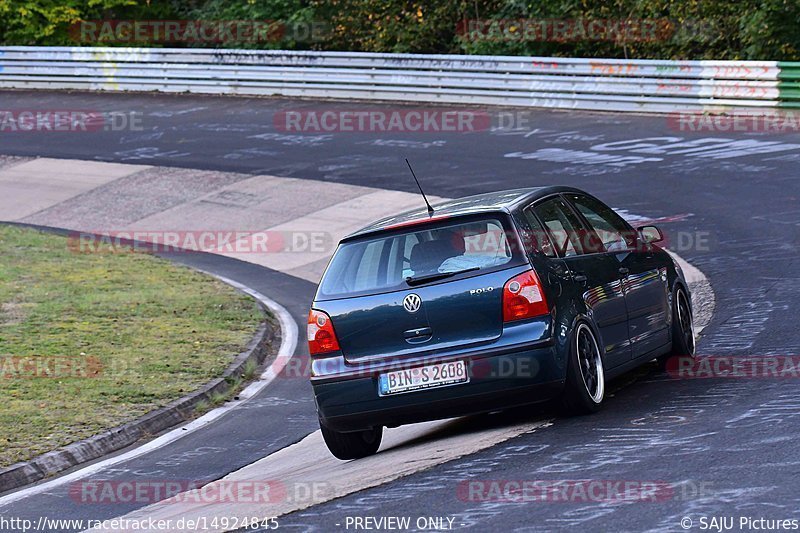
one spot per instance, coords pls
(489, 302)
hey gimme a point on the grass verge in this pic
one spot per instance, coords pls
(92, 340)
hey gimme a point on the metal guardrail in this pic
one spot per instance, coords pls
(594, 84)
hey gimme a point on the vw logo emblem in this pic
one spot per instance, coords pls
(412, 302)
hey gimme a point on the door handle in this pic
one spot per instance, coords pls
(417, 333)
(624, 271)
(580, 278)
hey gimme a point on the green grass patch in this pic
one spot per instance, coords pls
(91, 340)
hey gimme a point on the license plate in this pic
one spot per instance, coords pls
(423, 377)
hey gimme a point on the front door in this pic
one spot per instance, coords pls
(644, 282)
(595, 276)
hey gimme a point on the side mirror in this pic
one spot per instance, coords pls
(650, 234)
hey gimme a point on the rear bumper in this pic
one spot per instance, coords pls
(528, 375)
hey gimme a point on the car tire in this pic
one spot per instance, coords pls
(585, 384)
(356, 445)
(682, 330)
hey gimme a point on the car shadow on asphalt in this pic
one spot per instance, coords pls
(538, 413)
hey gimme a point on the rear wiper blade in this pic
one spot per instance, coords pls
(439, 275)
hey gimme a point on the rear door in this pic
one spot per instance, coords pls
(538, 244)
(595, 276)
(422, 289)
(644, 281)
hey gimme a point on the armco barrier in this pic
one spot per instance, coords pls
(598, 84)
(789, 85)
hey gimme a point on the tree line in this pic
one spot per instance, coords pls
(668, 29)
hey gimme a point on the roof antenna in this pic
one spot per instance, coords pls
(430, 209)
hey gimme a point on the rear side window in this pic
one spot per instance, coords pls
(537, 238)
(563, 226)
(383, 264)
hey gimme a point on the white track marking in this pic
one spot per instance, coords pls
(306, 474)
(287, 348)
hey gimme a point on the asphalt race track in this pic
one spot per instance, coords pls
(729, 203)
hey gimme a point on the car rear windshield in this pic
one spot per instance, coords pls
(405, 257)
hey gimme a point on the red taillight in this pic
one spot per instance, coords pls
(523, 297)
(321, 337)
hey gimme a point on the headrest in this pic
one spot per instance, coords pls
(427, 256)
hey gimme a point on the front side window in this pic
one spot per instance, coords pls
(615, 234)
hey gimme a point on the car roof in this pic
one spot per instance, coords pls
(504, 201)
